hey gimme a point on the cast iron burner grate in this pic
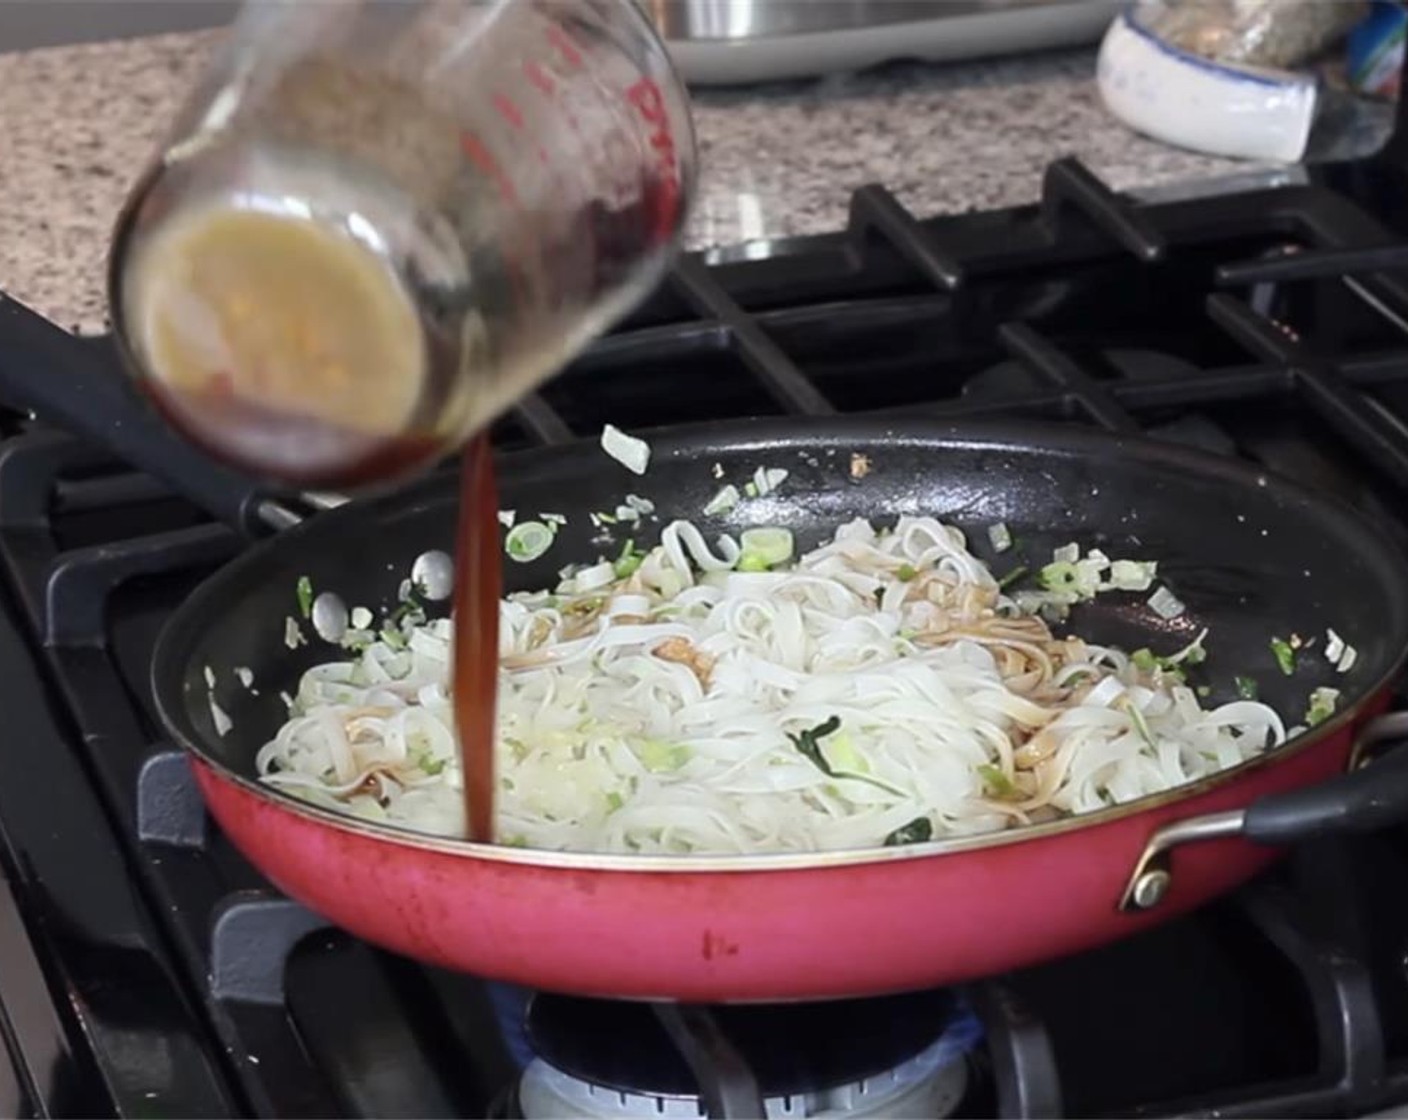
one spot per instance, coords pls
(1268, 324)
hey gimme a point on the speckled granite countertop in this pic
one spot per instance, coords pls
(76, 124)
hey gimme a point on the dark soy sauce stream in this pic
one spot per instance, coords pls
(476, 641)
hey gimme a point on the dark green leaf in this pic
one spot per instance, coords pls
(809, 743)
(916, 831)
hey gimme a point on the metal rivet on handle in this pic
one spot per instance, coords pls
(1150, 888)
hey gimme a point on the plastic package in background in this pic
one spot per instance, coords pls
(1279, 34)
(1374, 53)
(1183, 98)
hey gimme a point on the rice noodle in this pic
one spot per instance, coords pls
(667, 712)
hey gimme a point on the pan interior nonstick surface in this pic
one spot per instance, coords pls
(1251, 556)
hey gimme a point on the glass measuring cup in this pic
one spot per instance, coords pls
(376, 224)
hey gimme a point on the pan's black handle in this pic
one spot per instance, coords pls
(59, 379)
(1363, 800)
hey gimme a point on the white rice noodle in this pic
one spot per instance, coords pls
(658, 713)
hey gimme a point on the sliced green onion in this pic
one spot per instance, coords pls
(1246, 687)
(768, 547)
(304, 590)
(528, 540)
(1000, 537)
(1191, 654)
(1322, 705)
(1011, 577)
(1140, 724)
(658, 757)
(629, 560)
(906, 572)
(1146, 660)
(1059, 575)
(1284, 654)
(393, 638)
(841, 752)
(996, 783)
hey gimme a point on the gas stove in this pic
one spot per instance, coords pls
(147, 970)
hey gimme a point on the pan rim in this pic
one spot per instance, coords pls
(169, 660)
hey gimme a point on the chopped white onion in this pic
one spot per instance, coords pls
(293, 634)
(219, 717)
(1165, 603)
(725, 500)
(766, 480)
(630, 452)
(1133, 575)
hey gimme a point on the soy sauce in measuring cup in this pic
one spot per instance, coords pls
(379, 225)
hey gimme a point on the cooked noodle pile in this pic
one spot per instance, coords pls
(882, 689)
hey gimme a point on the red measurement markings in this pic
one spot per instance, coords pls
(508, 110)
(647, 99)
(483, 159)
(565, 47)
(480, 156)
(541, 79)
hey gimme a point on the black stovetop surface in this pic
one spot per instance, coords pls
(147, 970)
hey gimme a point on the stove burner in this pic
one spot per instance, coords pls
(898, 1055)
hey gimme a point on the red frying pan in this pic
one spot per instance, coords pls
(1251, 555)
